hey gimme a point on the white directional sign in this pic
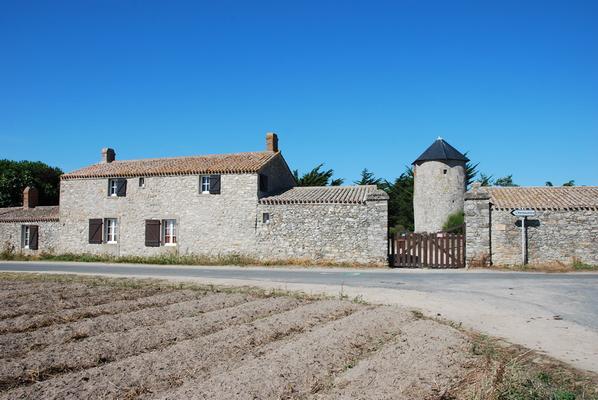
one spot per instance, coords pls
(524, 213)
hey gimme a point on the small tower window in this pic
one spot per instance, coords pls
(266, 218)
(444, 171)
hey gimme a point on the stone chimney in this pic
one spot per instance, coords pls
(30, 197)
(271, 142)
(108, 155)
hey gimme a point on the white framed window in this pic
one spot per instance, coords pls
(169, 232)
(26, 236)
(113, 187)
(111, 230)
(205, 184)
(142, 182)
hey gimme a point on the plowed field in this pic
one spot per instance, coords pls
(78, 340)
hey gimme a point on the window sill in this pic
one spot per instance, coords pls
(169, 244)
(111, 242)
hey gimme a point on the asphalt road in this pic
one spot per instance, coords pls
(570, 296)
(556, 313)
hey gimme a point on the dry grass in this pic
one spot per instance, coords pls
(574, 266)
(503, 371)
(176, 259)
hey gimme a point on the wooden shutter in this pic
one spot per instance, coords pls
(121, 188)
(95, 231)
(152, 233)
(214, 184)
(33, 237)
(263, 183)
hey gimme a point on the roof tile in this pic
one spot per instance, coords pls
(37, 214)
(545, 197)
(209, 164)
(322, 195)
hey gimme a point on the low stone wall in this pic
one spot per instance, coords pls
(353, 233)
(48, 237)
(558, 235)
(494, 236)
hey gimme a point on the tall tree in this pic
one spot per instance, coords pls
(570, 183)
(505, 181)
(548, 183)
(471, 171)
(486, 180)
(368, 178)
(400, 202)
(316, 177)
(16, 175)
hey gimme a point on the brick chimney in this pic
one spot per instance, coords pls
(108, 155)
(30, 197)
(271, 142)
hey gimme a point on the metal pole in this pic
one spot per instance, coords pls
(523, 244)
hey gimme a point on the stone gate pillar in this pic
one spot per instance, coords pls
(478, 246)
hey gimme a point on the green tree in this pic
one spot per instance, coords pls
(570, 183)
(505, 181)
(454, 223)
(400, 202)
(316, 177)
(471, 171)
(368, 178)
(16, 175)
(548, 183)
(486, 180)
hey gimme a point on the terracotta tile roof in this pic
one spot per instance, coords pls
(545, 197)
(322, 195)
(237, 163)
(37, 214)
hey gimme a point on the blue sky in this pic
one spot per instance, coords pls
(352, 84)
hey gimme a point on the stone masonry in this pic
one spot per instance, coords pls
(553, 235)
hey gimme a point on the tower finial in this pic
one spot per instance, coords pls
(439, 138)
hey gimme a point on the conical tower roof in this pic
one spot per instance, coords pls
(440, 150)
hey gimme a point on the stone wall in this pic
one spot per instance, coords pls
(556, 235)
(354, 233)
(494, 236)
(47, 242)
(439, 189)
(477, 228)
(226, 223)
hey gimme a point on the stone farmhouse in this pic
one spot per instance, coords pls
(244, 203)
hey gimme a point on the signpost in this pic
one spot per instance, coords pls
(523, 214)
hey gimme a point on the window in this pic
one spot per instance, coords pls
(117, 187)
(169, 232)
(111, 230)
(205, 184)
(26, 236)
(142, 182)
(113, 187)
(266, 218)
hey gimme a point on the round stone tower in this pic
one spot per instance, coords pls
(439, 186)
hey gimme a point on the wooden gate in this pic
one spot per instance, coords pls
(427, 250)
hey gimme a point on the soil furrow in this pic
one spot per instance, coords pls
(421, 363)
(109, 347)
(28, 323)
(17, 344)
(54, 301)
(305, 365)
(160, 370)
